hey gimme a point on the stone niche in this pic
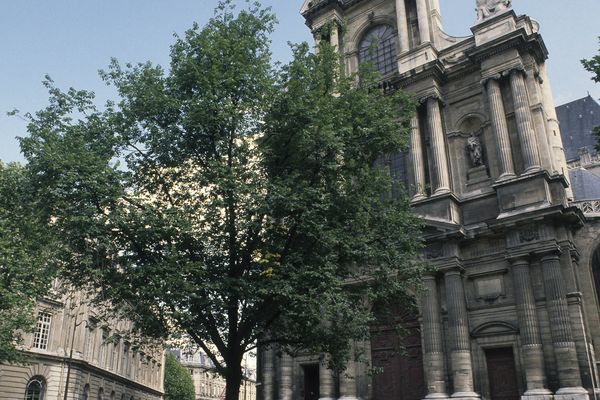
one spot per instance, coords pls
(469, 154)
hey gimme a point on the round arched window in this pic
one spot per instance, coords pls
(36, 389)
(378, 46)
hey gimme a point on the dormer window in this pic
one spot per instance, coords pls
(378, 46)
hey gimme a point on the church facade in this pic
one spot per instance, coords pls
(511, 311)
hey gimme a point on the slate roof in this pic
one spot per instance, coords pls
(586, 185)
(577, 120)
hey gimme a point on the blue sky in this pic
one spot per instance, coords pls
(71, 39)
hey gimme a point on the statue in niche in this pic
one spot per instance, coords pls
(488, 8)
(475, 150)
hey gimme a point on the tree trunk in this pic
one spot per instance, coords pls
(233, 380)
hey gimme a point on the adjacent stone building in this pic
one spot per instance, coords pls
(512, 310)
(207, 383)
(72, 350)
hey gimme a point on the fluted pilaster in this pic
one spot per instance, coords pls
(531, 341)
(458, 327)
(326, 382)
(416, 157)
(402, 23)
(423, 17)
(268, 374)
(500, 127)
(560, 327)
(348, 382)
(433, 350)
(334, 36)
(524, 119)
(438, 146)
(285, 377)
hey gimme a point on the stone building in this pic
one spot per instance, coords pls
(207, 383)
(577, 122)
(512, 310)
(72, 350)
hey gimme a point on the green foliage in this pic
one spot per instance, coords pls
(593, 66)
(178, 381)
(24, 247)
(252, 208)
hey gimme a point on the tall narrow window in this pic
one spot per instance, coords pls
(596, 270)
(100, 394)
(378, 46)
(42, 330)
(36, 389)
(86, 392)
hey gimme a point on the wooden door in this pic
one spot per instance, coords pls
(501, 374)
(311, 382)
(398, 361)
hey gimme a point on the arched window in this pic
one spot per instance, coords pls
(596, 270)
(36, 389)
(86, 392)
(378, 46)
(113, 395)
(100, 394)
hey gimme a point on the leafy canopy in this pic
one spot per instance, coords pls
(251, 207)
(25, 245)
(178, 381)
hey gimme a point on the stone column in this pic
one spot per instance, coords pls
(348, 382)
(498, 119)
(458, 333)
(562, 340)
(438, 146)
(525, 126)
(402, 23)
(334, 36)
(531, 341)
(268, 374)
(416, 157)
(423, 17)
(433, 351)
(285, 377)
(326, 382)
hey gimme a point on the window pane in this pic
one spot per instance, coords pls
(35, 390)
(42, 330)
(378, 46)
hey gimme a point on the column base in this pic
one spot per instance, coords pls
(505, 177)
(572, 393)
(440, 191)
(418, 197)
(440, 396)
(531, 170)
(465, 395)
(537, 394)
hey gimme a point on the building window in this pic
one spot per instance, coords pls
(378, 46)
(596, 270)
(100, 394)
(42, 330)
(86, 392)
(36, 389)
